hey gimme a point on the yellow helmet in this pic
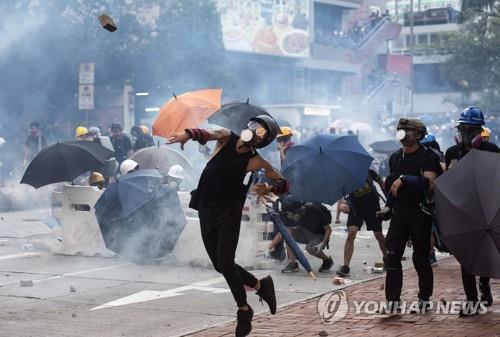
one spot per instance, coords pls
(95, 178)
(485, 133)
(81, 131)
(285, 131)
(144, 129)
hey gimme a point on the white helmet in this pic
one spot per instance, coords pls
(127, 166)
(176, 171)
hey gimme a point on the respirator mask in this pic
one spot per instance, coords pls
(253, 134)
(407, 136)
(469, 135)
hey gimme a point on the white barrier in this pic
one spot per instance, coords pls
(80, 231)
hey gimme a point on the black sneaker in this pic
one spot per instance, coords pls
(244, 322)
(343, 271)
(267, 294)
(292, 267)
(486, 296)
(432, 258)
(326, 265)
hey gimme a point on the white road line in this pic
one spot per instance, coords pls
(15, 256)
(151, 295)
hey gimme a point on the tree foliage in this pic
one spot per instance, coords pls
(475, 57)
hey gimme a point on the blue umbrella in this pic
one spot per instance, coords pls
(276, 219)
(326, 168)
(127, 194)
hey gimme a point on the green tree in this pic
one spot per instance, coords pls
(475, 58)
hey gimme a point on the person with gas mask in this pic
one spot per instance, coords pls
(469, 129)
(219, 199)
(412, 171)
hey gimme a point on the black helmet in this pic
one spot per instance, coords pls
(271, 127)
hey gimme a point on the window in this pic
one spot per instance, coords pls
(422, 39)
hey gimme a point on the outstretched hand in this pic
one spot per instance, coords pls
(178, 137)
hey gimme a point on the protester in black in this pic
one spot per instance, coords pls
(121, 143)
(413, 169)
(469, 127)
(308, 223)
(219, 200)
(364, 204)
(142, 140)
(34, 143)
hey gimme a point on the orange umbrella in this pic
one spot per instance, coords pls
(186, 111)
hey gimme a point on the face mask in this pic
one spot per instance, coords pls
(253, 134)
(407, 137)
(470, 137)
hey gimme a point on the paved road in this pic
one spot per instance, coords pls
(107, 297)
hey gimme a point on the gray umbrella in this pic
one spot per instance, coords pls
(468, 212)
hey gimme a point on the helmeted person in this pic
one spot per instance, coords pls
(310, 224)
(141, 139)
(121, 142)
(94, 132)
(128, 166)
(284, 140)
(97, 179)
(469, 136)
(175, 176)
(412, 171)
(486, 133)
(219, 199)
(81, 133)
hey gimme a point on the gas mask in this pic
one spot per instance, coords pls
(407, 136)
(253, 134)
(469, 135)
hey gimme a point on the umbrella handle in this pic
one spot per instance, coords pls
(313, 276)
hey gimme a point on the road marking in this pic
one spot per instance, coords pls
(151, 295)
(82, 272)
(15, 256)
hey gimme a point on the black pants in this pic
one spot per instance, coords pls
(469, 282)
(220, 230)
(403, 225)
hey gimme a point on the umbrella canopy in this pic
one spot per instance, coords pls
(361, 127)
(326, 168)
(64, 162)
(276, 219)
(186, 111)
(342, 123)
(160, 158)
(468, 212)
(127, 194)
(150, 232)
(235, 116)
(385, 146)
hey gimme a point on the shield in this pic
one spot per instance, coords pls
(468, 212)
(326, 168)
(139, 218)
(64, 162)
(235, 116)
(186, 111)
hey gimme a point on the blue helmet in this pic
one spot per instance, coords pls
(428, 138)
(471, 116)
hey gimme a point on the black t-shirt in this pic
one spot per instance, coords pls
(365, 199)
(316, 217)
(122, 146)
(457, 152)
(409, 198)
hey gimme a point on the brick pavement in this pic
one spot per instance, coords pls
(302, 319)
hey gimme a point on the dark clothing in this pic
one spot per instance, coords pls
(403, 225)
(372, 223)
(409, 198)
(365, 199)
(457, 152)
(315, 219)
(143, 141)
(220, 230)
(221, 181)
(35, 144)
(122, 146)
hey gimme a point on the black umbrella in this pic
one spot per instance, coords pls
(235, 116)
(468, 212)
(64, 162)
(141, 220)
(385, 146)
